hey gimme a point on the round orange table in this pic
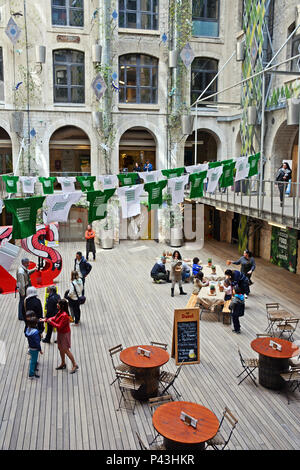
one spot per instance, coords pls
(179, 435)
(273, 362)
(145, 369)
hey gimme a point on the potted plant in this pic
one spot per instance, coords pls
(212, 289)
(209, 262)
(213, 269)
(221, 287)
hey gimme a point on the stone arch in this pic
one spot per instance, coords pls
(283, 145)
(4, 124)
(215, 133)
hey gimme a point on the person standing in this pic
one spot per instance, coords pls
(238, 279)
(176, 272)
(33, 303)
(51, 310)
(90, 242)
(82, 266)
(237, 308)
(284, 175)
(75, 291)
(61, 322)
(34, 343)
(247, 263)
(147, 166)
(23, 281)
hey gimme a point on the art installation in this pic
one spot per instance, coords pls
(50, 260)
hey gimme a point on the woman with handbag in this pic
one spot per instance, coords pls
(61, 322)
(75, 296)
(176, 272)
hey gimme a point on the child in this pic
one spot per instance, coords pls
(196, 267)
(34, 343)
(199, 282)
(237, 308)
(227, 289)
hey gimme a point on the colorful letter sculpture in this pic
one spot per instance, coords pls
(51, 262)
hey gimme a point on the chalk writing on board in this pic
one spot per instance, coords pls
(187, 337)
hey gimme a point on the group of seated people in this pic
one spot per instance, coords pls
(160, 273)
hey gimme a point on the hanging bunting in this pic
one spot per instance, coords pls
(197, 182)
(28, 183)
(13, 31)
(154, 191)
(48, 184)
(227, 177)
(86, 182)
(187, 55)
(127, 179)
(108, 181)
(129, 197)
(253, 161)
(24, 212)
(150, 176)
(176, 186)
(213, 176)
(99, 86)
(67, 183)
(11, 183)
(57, 206)
(242, 168)
(98, 204)
(173, 173)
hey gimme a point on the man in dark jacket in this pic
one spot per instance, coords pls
(159, 272)
(237, 308)
(82, 266)
(51, 310)
(238, 279)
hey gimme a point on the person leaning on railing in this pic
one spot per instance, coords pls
(284, 175)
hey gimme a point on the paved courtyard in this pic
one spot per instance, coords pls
(63, 411)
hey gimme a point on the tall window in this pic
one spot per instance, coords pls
(138, 79)
(68, 69)
(1, 76)
(67, 13)
(206, 18)
(202, 72)
(295, 64)
(140, 14)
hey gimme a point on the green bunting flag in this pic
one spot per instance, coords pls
(214, 164)
(98, 203)
(225, 162)
(196, 180)
(173, 173)
(128, 179)
(227, 178)
(11, 183)
(24, 212)
(155, 193)
(48, 184)
(253, 162)
(86, 182)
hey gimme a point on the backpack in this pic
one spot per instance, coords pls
(88, 267)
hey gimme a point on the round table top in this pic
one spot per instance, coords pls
(262, 346)
(166, 420)
(158, 357)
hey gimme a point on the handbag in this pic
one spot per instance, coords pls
(81, 298)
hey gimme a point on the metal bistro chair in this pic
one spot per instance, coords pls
(157, 401)
(292, 380)
(127, 383)
(271, 316)
(249, 365)
(144, 447)
(288, 326)
(219, 439)
(119, 367)
(167, 380)
(160, 345)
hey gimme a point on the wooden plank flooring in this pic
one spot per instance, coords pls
(63, 411)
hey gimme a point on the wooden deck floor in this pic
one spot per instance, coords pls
(63, 411)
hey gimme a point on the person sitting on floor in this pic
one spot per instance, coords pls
(159, 272)
(186, 272)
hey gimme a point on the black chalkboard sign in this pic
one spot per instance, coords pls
(186, 336)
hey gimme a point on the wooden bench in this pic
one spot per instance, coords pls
(192, 301)
(226, 313)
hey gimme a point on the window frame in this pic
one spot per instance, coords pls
(205, 71)
(69, 85)
(208, 20)
(296, 39)
(1, 72)
(138, 12)
(138, 87)
(68, 8)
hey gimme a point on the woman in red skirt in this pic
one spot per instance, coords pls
(61, 322)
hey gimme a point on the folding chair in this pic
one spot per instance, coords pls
(127, 383)
(157, 401)
(219, 439)
(292, 380)
(119, 367)
(168, 378)
(144, 447)
(160, 345)
(288, 326)
(249, 365)
(272, 316)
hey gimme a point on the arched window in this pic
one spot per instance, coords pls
(67, 13)
(68, 72)
(138, 79)
(206, 18)
(1, 76)
(203, 70)
(140, 14)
